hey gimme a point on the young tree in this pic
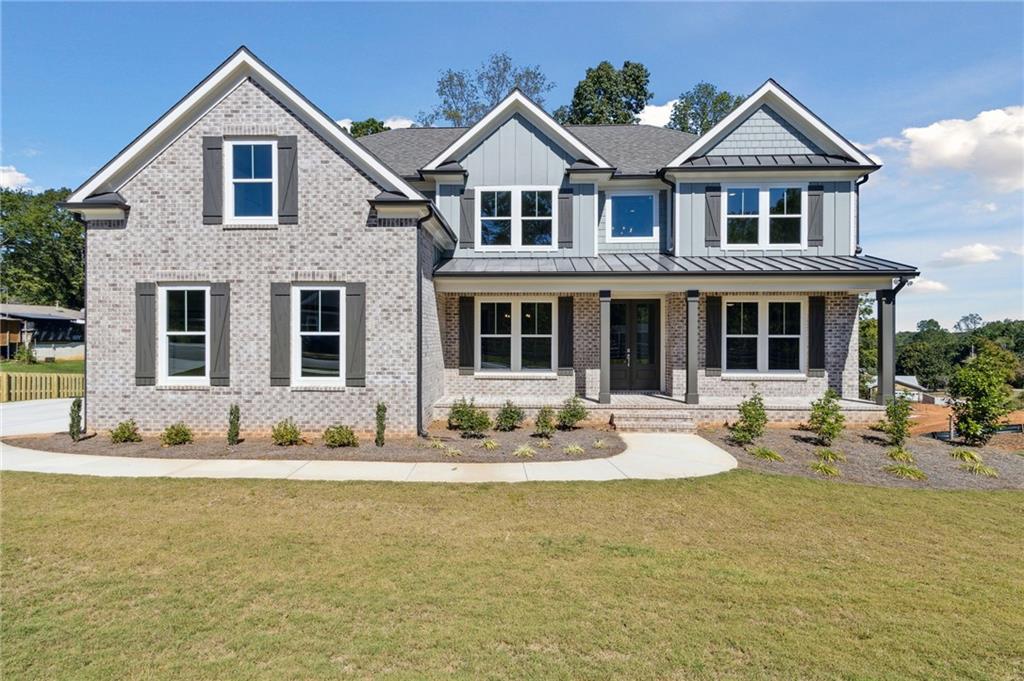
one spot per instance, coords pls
(608, 95)
(370, 126)
(702, 107)
(980, 394)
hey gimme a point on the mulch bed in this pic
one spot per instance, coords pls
(865, 452)
(394, 449)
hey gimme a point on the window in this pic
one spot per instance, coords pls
(516, 218)
(516, 335)
(251, 191)
(765, 216)
(634, 217)
(764, 336)
(182, 329)
(318, 335)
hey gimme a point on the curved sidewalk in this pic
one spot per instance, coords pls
(648, 456)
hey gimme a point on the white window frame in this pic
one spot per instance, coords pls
(163, 353)
(799, 336)
(517, 335)
(762, 336)
(517, 217)
(763, 215)
(229, 217)
(297, 379)
(656, 238)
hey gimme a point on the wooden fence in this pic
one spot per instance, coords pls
(15, 387)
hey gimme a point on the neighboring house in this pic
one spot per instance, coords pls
(52, 332)
(244, 249)
(907, 387)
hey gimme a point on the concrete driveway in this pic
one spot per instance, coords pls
(34, 416)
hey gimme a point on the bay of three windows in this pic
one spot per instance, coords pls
(765, 216)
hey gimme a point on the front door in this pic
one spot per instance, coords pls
(635, 345)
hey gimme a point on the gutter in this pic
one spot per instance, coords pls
(420, 430)
(856, 192)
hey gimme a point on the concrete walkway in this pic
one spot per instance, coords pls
(34, 416)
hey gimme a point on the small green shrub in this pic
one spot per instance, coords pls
(458, 412)
(436, 443)
(381, 413)
(827, 420)
(980, 395)
(905, 471)
(126, 431)
(978, 468)
(452, 451)
(900, 455)
(543, 443)
(25, 355)
(825, 468)
(75, 420)
(897, 421)
(475, 424)
(234, 423)
(571, 413)
(285, 433)
(509, 417)
(829, 455)
(490, 445)
(524, 452)
(573, 449)
(751, 422)
(544, 426)
(340, 436)
(176, 434)
(599, 444)
(965, 455)
(765, 454)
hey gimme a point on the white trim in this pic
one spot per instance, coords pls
(656, 217)
(784, 104)
(762, 336)
(296, 337)
(229, 217)
(516, 336)
(516, 217)
(763, 215)
(544, 284)
(517, 102)
(162, 333)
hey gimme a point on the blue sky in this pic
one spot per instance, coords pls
(910, 82)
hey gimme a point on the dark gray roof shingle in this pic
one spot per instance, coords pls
(406, 150)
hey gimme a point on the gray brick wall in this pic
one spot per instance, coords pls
(765, 132)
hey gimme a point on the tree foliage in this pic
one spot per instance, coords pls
(702, 107)
(371, 126)
(969, 322)
(465, 97)
(607, 95)
(41, 247)
(980, 394)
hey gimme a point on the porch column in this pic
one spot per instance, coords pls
(605, 394)
(886, 345)
(692, 341)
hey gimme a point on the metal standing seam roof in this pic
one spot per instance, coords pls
(758, 161)
(620, 264)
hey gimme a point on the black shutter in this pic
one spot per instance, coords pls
(213, 180)
(565, 332)
(713, 216)
(145, 333)
(287, 180)
(280, 333)
(816, 215)
(816, 336)
(220, 334)
(713, 336)
(355, 335)
(565, 217)
(467, 218)
(467, 345)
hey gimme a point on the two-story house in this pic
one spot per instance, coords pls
(245, 249)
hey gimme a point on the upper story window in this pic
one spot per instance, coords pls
(764, 335)
(516, 218)
(516, 335)
(633, 217)
(251, 192)
(318, 335)
(765, 216)
(183, 325)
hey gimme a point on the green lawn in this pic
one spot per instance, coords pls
(70, 366)
(737, 576)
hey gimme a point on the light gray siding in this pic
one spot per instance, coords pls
(764, 132)
(605, 245)
(516, 153)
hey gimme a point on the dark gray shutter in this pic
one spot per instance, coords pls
(280, 334)
(565, 217)
(145, 333)
(287, 180)
(816, 215)
(816, 336)
(713, 336)
(355, 335)
(602, 197)
(713, 216)
(467, 346)
(213, 180)
(665, 222)
(565, 333)
(467, 218)
(220, 334)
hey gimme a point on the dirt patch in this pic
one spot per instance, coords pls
(395, 449)
(866, 457)
(929, 418)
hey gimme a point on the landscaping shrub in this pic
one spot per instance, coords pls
(490, 445)
(571, 413)
(340, 436)
(965, 455)
(285, 433)
(905, 471)
(765, 454)
(980, 397)
(382, 421)
(544, 426)
(234, 423)
(829, 455)
(126, 431)
(509, 417)
(897, 421)
(978, 468)
(176, 434)
(452, 451)
(573, 449)
(824, 468)
(524, 452)
(900, 454)
(436, 443)
(752, 421)
(459, 412)
(827, 418)
(75, 421)
(599, 444)
(25, 355)
(475, 423)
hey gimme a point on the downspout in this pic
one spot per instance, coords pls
(671, 207)
(420, 429)
(856, 195)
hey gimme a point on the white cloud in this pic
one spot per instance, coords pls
(657, 114)
(12, 178)
(972, 254)
(344, 122)
(393, 122)
(922, 285)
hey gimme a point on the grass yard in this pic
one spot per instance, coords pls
(741, 575)
(68, 366)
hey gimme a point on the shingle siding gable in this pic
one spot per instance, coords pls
(765, 132)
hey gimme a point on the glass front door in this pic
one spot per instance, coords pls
(635, 345)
